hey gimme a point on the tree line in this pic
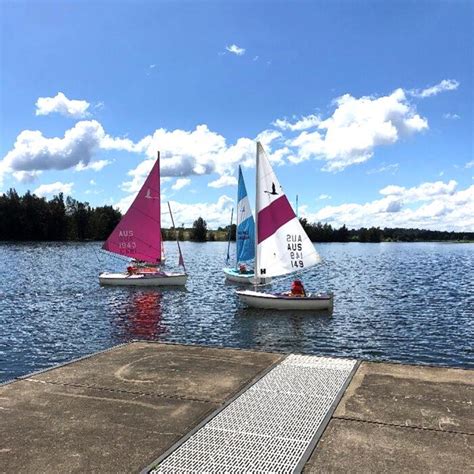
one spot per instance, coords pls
(30, 217)
(319, 232)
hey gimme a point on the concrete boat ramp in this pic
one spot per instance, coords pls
(153, 407)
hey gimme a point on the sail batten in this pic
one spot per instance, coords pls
(283, 246)
(138, 234)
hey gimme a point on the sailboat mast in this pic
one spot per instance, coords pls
(181, 259)
(159, 207)
(257, 189)
(230, 234)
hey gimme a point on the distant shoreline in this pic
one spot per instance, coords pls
(226, 240)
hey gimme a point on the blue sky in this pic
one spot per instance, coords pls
(365, 108)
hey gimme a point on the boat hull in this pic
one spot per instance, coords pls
(235, 276)
(256, 299)
(143, 279)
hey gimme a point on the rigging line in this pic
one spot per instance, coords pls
(143, 213)
(120, 257)
(97, 255)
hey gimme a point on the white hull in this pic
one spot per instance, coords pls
(243, 278)
(233, 275)
(153, 279)
(256, 299)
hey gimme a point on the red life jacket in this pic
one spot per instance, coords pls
(297, 288)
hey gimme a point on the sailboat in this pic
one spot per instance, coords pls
(138, 237)
(282, 245)
(245, 237)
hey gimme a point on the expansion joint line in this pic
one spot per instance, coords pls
(130, 392)
(398, 425)
(396, 398)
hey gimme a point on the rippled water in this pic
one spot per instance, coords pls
(400, 302)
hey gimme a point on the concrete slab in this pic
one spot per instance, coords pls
(56, 428)
(401, 418)
(119, 410)
(191, 372)
(360, 447)
(422, 397)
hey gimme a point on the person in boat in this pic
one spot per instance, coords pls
(297, 289)
(242, 268)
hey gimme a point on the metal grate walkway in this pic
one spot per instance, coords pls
(268, 428)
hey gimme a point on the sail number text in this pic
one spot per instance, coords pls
(295, 250)
(127, 241)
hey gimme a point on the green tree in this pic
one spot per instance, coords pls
(199, 230)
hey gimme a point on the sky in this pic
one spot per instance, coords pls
(364, 108)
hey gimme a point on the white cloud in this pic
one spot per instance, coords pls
(234, 49)
(26, 176)
(444, 85)
(93, 165)
(348, 136)
(356, 127)
(470, 164)
(215, 214)
(423, 192)
(62, 105)
(303, 123)
(197, 152)
(32, 151)
(92, 182)
(223, 181)
(437, 206)
(180, 184)
(94, 191)
(53, 188)
(183, 152)
(324, 196)
(451, 116)
(393, 168)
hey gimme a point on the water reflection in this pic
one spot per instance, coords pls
(142, 315)
(282, 330)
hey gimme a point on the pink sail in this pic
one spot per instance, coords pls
(138, 234)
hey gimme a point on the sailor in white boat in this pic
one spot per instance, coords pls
(297, 289)
(140, 266)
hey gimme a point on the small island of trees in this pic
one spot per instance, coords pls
(33, 218)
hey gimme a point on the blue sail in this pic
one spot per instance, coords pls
(245, 224)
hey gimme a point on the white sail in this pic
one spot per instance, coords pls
(282, 244)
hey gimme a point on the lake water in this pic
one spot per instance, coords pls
(404, 302)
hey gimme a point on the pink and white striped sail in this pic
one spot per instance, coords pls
(138, 234)
(282, 244)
